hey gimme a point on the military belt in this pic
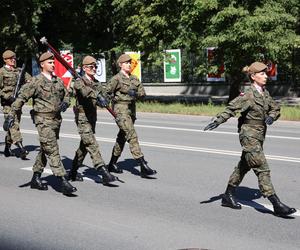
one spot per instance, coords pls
(255, 122)
(47, 114)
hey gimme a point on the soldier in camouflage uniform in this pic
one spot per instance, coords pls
(125, 89)
(87, 89)
(9, 74)
(257, 110)
(49, 98)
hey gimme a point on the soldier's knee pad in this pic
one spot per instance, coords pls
(254, 158)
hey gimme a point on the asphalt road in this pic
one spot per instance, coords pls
(180, 209)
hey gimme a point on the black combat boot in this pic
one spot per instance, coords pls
(66, 187)
(145, 169)
(280, 209)
(112, 166)
(73, 174)
(228, 199)
(106, 176)
(23, 152)
(36, 182)
(7, 150)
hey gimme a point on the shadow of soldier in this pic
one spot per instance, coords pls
(130, 166)
(17, 152)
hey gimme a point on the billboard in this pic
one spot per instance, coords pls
(172, 65)
(211, 59)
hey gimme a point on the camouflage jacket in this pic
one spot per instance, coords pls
(119, 85)
(252, 106)
(47, 95)
(86, 92)
(8, 81)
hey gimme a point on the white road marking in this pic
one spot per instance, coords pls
(261, 206)
(176, 147)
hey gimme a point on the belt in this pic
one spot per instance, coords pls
(47, 114)
(255, 122)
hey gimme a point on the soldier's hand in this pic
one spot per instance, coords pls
(8, 122)
(63, 106)
(211, 126)
(132, 93)
(269, 120)
(101, 101)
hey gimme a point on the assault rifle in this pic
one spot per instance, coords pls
(70, 68)
(20, 80)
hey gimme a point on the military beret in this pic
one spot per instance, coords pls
(124, 58)
(255, 68)
(8, 54)
(45, 56)
(88, 60)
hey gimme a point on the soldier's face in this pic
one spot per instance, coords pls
(48, 66)
(10, 61)
(260, 78)
(90, 70)
(126, 66)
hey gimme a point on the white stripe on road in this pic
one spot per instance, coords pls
(177, 147)
(249, 204)
(184, 129)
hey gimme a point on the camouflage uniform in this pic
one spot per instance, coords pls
(8, 82)
(47, 96)
(254, 108)
(86, 92)
(125, 109)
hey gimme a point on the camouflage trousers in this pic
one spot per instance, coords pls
(253, 158)
(48, 131)
(13, 135)
(88, 142)
(127, 133)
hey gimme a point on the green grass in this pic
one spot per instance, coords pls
(287, 112)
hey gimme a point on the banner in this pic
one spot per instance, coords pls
(101, 70)
(172, 65)
(61, 71)
(220, 75)
(272, 70)
(136, 67)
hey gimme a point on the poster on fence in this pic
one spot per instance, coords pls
(101, 70)
(172, 65)
(136, 67)
(61, 71)
(272, 70)
(219, 76)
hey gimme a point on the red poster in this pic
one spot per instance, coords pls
(220, 75)
(272, 70)
(61, 71)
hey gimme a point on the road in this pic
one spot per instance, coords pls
(180, 209)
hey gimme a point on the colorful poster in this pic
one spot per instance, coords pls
(172, 65)
(272, 70)
(61, 71)
(101, 70)
(220, 75)
(136, 67)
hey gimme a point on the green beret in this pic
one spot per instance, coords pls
(8, 54)
(124, 58)
(255, 68)
(88, 60)
(45, 56)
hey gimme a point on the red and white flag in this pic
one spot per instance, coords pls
(61, 71)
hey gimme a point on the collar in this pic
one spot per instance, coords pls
(125, 74)
(9, 67)
(259, 88)
(91, 79)
(48, 76)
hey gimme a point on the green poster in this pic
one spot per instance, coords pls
(172, 65)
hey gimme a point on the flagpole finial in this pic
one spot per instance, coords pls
(43, 40)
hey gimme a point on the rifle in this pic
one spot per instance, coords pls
(70, 68)
(20, 79)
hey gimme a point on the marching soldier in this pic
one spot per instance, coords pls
(9, 75)
(257, 110)
(50, 98)
(125, 89)
(87, 90)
